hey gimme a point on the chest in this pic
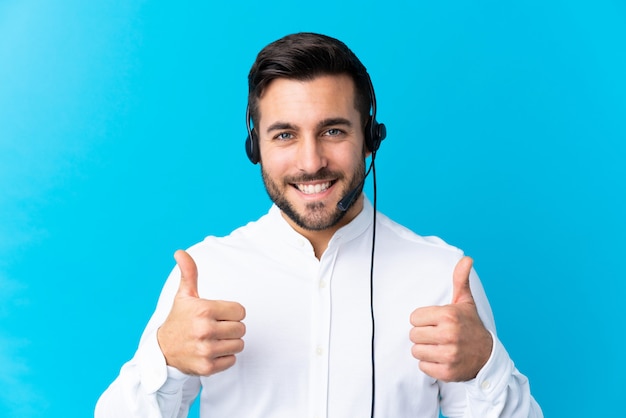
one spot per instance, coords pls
(309, 330)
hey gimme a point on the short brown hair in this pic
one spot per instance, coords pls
(304, 56)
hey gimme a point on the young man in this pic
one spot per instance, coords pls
(331, 329)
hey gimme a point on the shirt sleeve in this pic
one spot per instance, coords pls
(146, 387)
(499, 390)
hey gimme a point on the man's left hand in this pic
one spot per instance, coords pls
(450, 341)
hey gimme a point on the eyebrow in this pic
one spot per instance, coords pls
(334, 121)
(277, 126)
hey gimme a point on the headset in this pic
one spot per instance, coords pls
(374, 132)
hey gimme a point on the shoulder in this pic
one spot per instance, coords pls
(404, 239)
(242, 246)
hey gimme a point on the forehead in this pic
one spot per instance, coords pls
(320, 97)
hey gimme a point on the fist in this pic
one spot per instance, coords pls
(450, 341)
(200, 336)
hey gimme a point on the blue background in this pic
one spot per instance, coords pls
(121, 140)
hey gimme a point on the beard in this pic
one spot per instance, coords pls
(317, 216)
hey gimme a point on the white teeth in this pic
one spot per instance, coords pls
(313, 188)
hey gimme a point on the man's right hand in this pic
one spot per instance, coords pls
(200, 336)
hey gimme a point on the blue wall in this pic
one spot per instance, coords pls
(121, 140)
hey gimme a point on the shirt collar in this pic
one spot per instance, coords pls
(280, 227)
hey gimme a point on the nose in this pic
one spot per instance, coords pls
(311, 156)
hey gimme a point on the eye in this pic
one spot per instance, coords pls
(333, 132)
(283, 136)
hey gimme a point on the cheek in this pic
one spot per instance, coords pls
(276, 165)
(347, 159)
(274, 160)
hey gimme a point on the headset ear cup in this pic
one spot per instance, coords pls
(380, 133)
(252, 147)
(374, 134)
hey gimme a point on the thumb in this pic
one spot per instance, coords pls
(188, 274)
(461, 292)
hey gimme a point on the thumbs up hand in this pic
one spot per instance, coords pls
(450, 341)
(200, 336)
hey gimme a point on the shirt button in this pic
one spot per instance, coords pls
(485, 385)
(319, 350)
(322, 284)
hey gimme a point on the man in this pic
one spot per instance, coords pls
(332, 328)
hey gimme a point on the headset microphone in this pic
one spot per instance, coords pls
(347, 201)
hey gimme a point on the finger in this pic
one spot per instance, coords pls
(221, 310)
(439, 371)
(445, 332)
(225, 330)
(427, 316)
(207, 367)
(428, 352)
(220, 364)
(223, 348)
(460, 281)
(425, 335)
(188, 274)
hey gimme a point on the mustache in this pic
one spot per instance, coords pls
(322, 174)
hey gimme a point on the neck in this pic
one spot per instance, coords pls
(320, 239)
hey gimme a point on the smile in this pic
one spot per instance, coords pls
(313, 188)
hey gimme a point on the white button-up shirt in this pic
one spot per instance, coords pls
(308, 331)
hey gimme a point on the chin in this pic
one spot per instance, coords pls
(315, 216)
